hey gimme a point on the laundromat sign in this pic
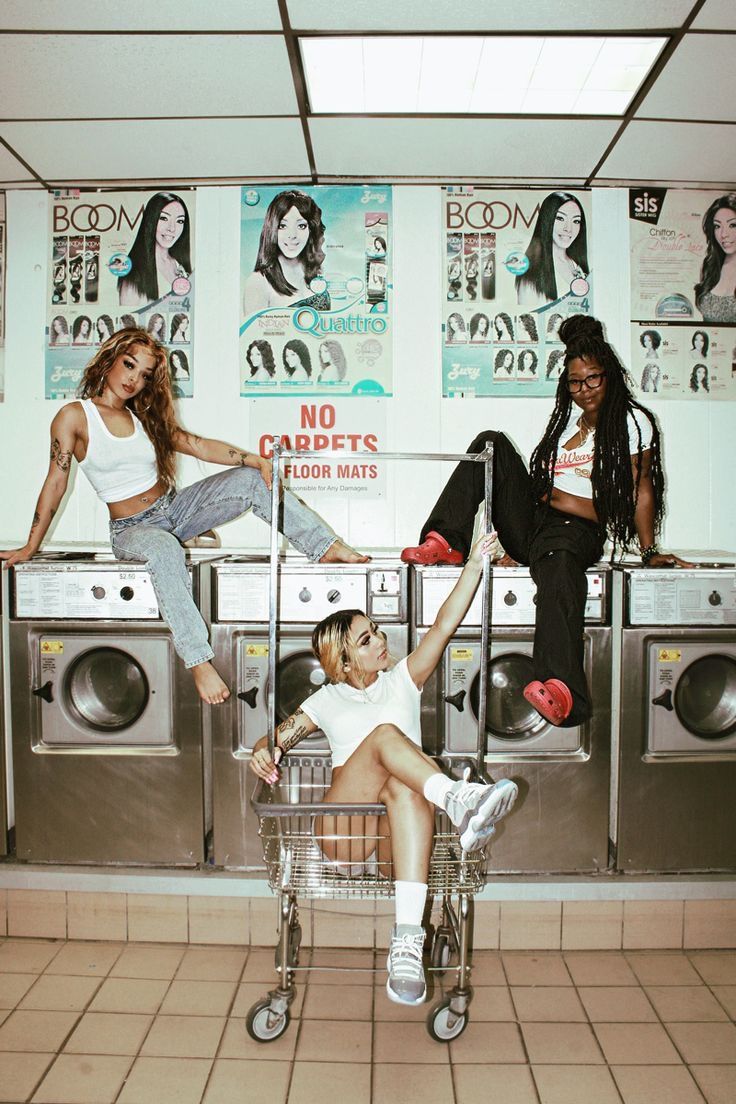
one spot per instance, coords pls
(356, 430)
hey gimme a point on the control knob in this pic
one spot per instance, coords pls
(510, 598)
(305, 595)
(714, 598)
(333, 596)
(98, 592)
(126, 593)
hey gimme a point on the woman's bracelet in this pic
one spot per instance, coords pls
(648, 552)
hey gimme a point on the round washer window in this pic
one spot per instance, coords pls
(106, 689)
(298, 677)
(705, 697)
(509, 716)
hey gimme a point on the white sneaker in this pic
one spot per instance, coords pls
(406, 984)
(474, 809)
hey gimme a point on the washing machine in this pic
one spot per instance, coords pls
(106, 724)
(560, 822)
(677, 732)
(240, 603)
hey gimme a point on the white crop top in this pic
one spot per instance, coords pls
(574, 466)
(117, 467)
(347, 716)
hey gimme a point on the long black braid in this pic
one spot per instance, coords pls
(614, 489)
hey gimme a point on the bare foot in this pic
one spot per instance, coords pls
(339, 552)
(210, 686)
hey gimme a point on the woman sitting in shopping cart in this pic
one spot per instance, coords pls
(597, 472)
(369, 712)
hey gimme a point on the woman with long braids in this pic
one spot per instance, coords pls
(596, 473)
(124, 435)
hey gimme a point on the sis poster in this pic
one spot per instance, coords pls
(515, 264)
(683, 293)
(119, 259)
(315, 283)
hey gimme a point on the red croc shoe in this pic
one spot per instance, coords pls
(551, 698)
(434, 550)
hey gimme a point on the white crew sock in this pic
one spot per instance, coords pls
(411, 898)
(437, 787)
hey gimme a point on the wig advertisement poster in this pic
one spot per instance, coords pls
(356, 429)
(315, 268)
(119, 259)
(683, 293)
(515, 264)
(2, 296)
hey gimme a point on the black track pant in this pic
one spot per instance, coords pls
(557, 547)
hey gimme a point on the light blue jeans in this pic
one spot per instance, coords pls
(154, 537)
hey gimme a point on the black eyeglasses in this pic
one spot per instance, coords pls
(592, 382)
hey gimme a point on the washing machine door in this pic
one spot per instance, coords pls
(705, 697)
(509, 716)
(106, 689)
(298, 676)
(104, 692)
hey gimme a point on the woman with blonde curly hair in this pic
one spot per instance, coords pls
(124, 434)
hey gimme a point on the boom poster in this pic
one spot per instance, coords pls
(683, 293)
(119, 259)
(515, 264)
(315, 269)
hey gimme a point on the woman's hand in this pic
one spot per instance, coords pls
(265, 467)
(18, 555)
(264, 766)
(667, 559)
(483, 547)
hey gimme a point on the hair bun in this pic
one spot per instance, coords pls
(580, 327)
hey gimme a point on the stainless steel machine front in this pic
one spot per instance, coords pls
(240, 638)
(677, 735)
(107, 725)
(560, 822)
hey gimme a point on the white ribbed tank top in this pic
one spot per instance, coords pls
(117, 467)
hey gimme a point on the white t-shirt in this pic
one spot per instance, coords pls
(574, 466)
(347, 716)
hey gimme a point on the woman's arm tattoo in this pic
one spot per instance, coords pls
(292, 732)
(36, 519)
(62, 459)
(242, 457)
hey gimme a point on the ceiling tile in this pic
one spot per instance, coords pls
(457, 148)
(716, 15)
(140, 15)
(119, 76)
(469, 15)
(11, 169)
(160, 149)
(682, 90)
(698, 152)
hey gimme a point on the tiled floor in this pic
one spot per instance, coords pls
(97, 1023)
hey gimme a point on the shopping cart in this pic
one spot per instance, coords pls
(299, 829)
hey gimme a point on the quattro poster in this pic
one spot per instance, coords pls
(683, 293)
(515, 264)
(119, 259)
(315, 266)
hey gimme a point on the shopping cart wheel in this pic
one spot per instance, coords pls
(295, 942)
(443, 1024)
(441, 950)
(264, 1024)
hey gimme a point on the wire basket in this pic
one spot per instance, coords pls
(321, 850)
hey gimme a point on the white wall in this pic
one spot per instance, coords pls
(700, 440)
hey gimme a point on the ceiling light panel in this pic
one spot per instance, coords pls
(475, 74)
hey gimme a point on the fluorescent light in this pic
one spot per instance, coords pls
(475, 74)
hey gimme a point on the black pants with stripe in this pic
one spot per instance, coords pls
(557, 547)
